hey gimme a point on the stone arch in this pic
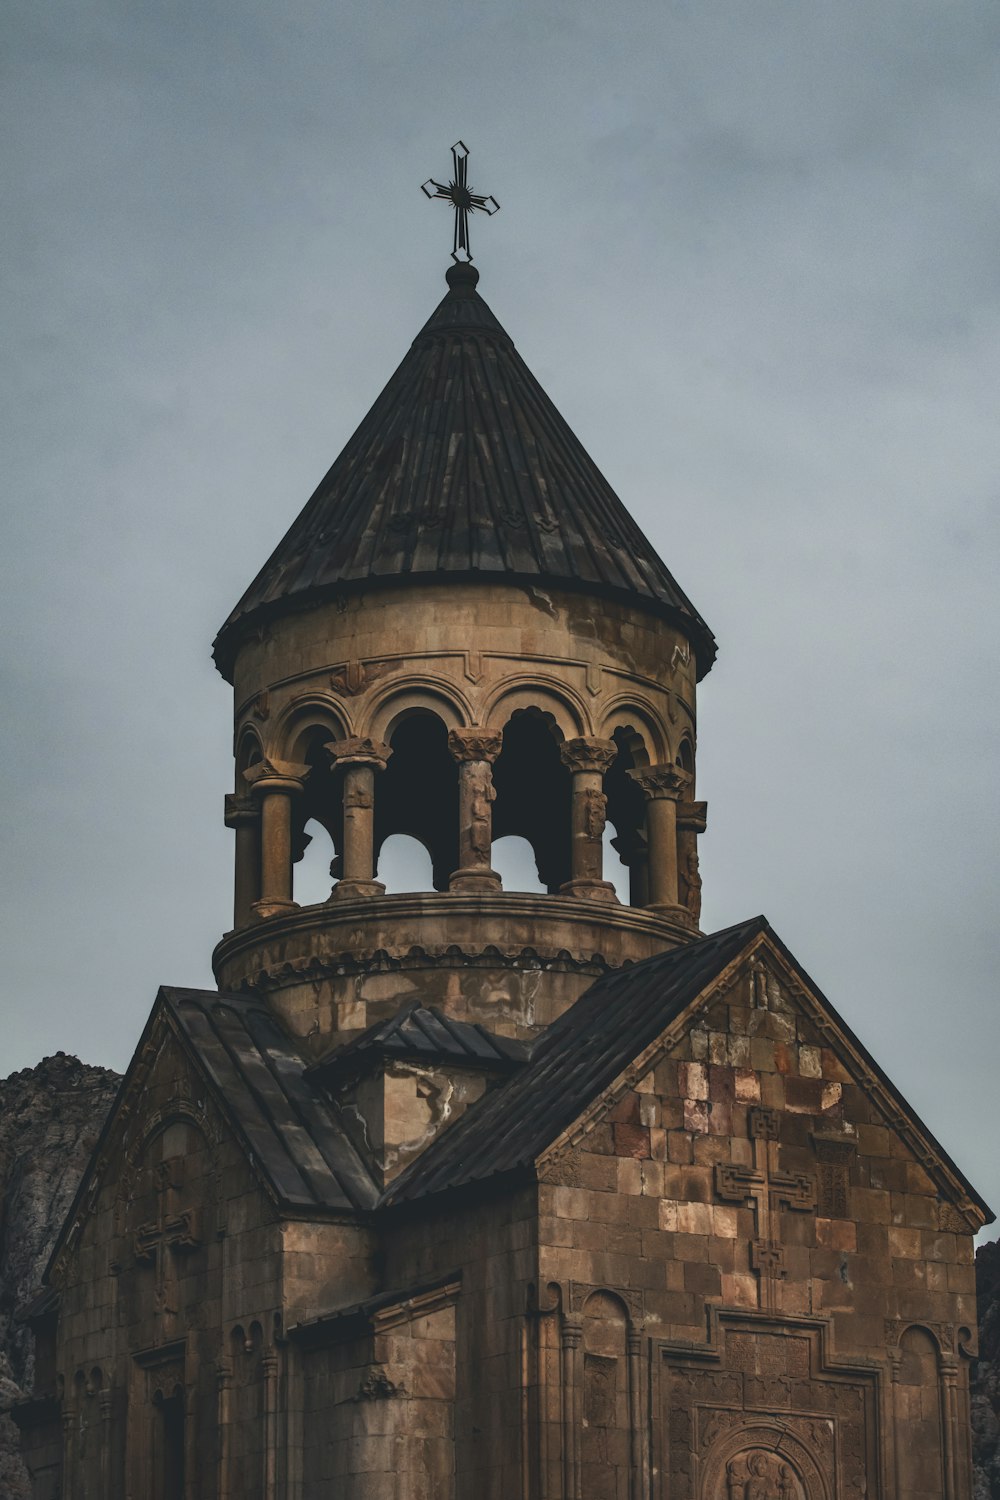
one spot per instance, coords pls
(919, 1417)
(684, 754)
(569, 714)
(308, 718)
(395, 701)
(760, 1459)
(647, 739)
(605, 1438)
(248, 750)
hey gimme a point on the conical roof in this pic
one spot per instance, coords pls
(463, 468)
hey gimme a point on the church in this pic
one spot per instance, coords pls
(476, 1193)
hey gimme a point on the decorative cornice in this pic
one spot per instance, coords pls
(339, 965)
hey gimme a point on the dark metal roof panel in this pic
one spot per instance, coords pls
(574, 1060)
(294, 1134)
(582, 1053)
(464, 468)
(423, 1032)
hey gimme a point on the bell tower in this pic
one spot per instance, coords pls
(464, 636)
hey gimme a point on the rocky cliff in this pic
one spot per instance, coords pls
(986, 1376)
(50, 1117)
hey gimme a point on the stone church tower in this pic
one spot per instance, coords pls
(472, 1193)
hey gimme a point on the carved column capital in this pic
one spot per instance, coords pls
(240, 810)
(359, 750)
(475, 744)
(664, 782)
(275, 776)
(692, 816)
(587, 753)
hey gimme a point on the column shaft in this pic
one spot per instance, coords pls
(588, 759)
(276, 847)
(663, 787)
(359, 822)
(475, 750)
(661, 823)
(360, 759)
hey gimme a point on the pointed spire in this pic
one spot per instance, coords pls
(463, 468)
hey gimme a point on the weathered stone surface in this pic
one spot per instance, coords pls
(50, 1118)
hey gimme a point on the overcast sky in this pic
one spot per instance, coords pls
(751, 249)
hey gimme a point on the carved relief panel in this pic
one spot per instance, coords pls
(760, 1418)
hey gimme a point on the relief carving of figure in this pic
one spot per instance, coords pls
(482, 795)
(761, 1476)
(691, 882)
(594, 813)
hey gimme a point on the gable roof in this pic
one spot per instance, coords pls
(463, 468)
(590, 1045)
(422, 1033)
(293, 1134)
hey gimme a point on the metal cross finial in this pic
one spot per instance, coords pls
(462, 198)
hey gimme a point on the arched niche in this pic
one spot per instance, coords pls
(565, 709)
(605, 1448)
(533, 792)
(417, 793)
(627, 809)
(919, 1429)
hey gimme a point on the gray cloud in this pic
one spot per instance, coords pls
(750, 248)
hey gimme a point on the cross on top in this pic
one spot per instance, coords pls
(462, 198)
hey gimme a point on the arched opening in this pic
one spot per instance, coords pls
(533, 793)
(626, 828)
(404, 864)
(417, 796)
(514, 861)
(685, 757)
(316, 866)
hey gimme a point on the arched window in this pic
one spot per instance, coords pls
(533, 793)
(417, 795)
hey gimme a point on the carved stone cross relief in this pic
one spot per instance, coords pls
(173, 1228)
(766, 1189)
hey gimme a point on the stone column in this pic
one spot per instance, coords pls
(663, 787)
(572, 1338)
(587, 760)
(475, 750)
(275, 783)
(359, 758)
(692, 819)
(243, 815)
